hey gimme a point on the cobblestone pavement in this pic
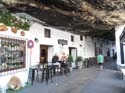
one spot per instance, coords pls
(87, 80)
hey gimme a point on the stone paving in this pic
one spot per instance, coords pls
(86, 80)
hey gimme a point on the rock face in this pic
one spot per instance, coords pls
(88, 17)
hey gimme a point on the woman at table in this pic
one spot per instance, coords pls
(63, 60)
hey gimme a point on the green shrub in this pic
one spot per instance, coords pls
(10, 20)
(70, 60)
(79, 59)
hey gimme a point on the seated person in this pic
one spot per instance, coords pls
(63, 60)
(55, 58)
(55, 61)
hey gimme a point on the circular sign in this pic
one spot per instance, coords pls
(30, 44)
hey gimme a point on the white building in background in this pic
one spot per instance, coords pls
(47, 42)
(76, 47)
(120, 45)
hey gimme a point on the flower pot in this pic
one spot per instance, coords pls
(70, 69)
(80, 65)
(14, 30)
(22, 33)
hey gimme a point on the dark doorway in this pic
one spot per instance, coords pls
(73, 53)
(108, 52)
(43, 54)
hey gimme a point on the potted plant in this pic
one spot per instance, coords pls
(13, 21)
(70, 60)
(79, 60)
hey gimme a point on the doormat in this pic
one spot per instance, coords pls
(17, 91)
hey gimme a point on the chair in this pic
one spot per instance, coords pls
(47, 73)
(32, 72)
(65, 69)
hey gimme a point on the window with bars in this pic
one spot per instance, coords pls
(81, 38)
(12, 53)
(72, 38)
(47, 33)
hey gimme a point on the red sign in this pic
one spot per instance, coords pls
(30, 44)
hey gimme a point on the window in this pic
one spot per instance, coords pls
(72, 38)
(107, 42)
(85, 37)
(47, 32)
(92, 38)
(112, 43)
(101, 45)
(12, 53)
(95, 49)
(81, 37)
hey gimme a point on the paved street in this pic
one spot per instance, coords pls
(87, 80)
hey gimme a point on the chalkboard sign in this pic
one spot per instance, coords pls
(62, 42)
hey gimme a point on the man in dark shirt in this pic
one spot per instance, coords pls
(55, 59)
(55, 62)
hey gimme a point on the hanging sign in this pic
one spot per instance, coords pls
(30, 44)
(62, 42)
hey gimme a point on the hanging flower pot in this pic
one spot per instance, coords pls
(14, 30)
(22, 33)
(3, 28)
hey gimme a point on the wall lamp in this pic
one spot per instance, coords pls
(36, 40)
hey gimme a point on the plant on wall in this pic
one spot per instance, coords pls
(10, 20)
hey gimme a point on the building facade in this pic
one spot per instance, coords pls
(119, 34)
(48, 41)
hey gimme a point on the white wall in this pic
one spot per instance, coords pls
(118, 31)
(37, 30)
(22, 73)
(87, 49)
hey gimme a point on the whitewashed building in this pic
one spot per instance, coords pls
(46, 42)
(120, 45)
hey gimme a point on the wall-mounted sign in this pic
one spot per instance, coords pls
(62, 42)
(30, 44)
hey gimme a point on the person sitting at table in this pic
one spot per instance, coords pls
(63, 59)
(55, 60)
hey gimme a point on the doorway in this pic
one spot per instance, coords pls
(43, 53)
(73, 53)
